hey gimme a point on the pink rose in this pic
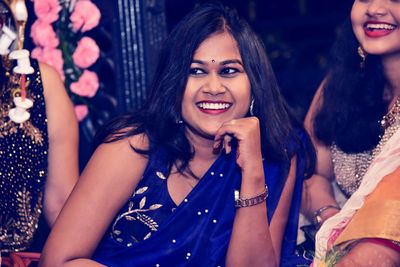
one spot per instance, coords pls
(87, 85)
(42, 34)
(47, 10)
(81, 112)
(85, 16)
(52, 57)
(37, 53)
(86, 53)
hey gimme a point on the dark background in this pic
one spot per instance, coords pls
(297, 34)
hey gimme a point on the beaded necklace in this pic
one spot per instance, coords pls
(390, 125)
(349, 169)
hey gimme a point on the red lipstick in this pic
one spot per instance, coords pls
(376, 29)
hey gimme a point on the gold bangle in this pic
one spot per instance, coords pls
(317, 214)
(248, 202)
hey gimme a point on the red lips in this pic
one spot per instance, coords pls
(213, 107)
(376, 29)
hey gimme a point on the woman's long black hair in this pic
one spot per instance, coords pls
(352, 98)
(163, 107)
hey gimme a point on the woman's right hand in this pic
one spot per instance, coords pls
(246, 132)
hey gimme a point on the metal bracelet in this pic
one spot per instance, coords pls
(317, 214)
(248, 202)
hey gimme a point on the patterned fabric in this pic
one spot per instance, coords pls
(149, 231)
(23, 165)
(149, 206)
(350, 169)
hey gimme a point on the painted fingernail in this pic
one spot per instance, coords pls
(216, 144)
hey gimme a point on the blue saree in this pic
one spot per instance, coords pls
(197, 232)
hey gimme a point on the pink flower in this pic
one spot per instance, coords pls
(47, 10)
(43, 34)
(87, 85)
(86, 53)
(81, 112)
(85, 16)
(52, 57)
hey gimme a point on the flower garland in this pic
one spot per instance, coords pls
(58, 34)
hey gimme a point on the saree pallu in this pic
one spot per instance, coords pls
(199, 231)
(379, 217)
(385, 163)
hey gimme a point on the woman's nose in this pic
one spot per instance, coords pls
(214, 84)
(377, 8)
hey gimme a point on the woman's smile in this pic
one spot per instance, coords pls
(218, 88)
(376, 29)
(213, 107)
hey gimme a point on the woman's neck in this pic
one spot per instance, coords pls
(204, 154)
(202, 146)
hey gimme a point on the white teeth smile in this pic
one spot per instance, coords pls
(214, 106)
(382, 26)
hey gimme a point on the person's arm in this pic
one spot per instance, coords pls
(370, 254)
(254, 242)
(317, 190)
(107, 182)
(63, 143)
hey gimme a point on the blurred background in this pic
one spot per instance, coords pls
(297, 35)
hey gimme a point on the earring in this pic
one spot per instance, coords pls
(363, 55)
(179, 121)
(251, 110)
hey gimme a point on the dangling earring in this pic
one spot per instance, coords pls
(251, 110)
(179, 120)
(363, 55)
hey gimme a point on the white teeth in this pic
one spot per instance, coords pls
(381, 26)
(215, 106)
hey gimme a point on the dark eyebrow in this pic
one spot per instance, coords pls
(225, 62)
(231, 61)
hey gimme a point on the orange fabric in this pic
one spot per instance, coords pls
(380, 215)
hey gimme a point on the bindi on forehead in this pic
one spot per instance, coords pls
(213, 61)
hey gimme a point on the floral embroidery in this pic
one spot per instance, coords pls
(137, 214)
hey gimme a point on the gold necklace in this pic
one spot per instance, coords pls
(390, 117)
(389, 125)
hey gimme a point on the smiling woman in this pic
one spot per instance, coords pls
(354, 122)
(375, 25)
(161, 184)
(216, 92)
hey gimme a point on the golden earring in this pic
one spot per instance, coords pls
(363, 55)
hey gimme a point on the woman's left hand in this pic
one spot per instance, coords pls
(246, 131)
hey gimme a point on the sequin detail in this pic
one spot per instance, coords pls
(23, 168)
(349, 169)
